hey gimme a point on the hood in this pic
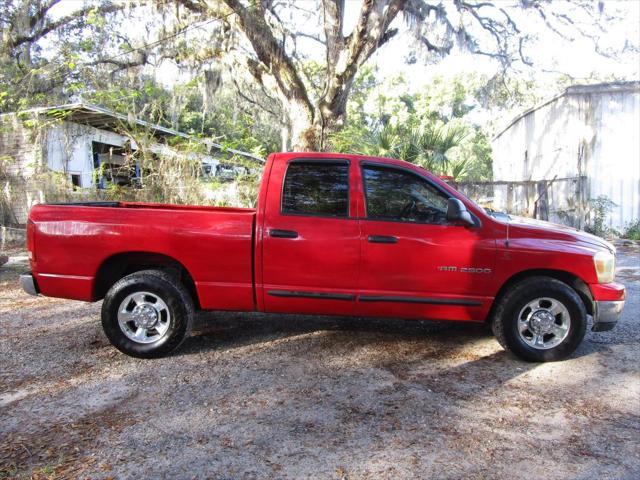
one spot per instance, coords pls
(540, 228)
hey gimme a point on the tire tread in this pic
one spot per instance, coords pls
(167, 281)
(501, 313)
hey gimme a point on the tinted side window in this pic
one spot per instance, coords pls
(316, 188)
(393, 194)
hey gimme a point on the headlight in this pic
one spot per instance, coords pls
(605, 264)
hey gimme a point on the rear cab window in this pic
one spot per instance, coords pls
(316, 188)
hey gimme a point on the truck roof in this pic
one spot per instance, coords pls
(332, 155)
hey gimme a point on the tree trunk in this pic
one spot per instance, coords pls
(301, 127)
(314, 134)
(312, 121)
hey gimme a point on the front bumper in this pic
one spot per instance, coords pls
(29, 284)
(606, 314)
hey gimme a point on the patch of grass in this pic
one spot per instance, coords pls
(48, 472)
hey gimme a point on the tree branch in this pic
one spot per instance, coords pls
(309, 36)
(333, 22)
(239, 91)
(42, 12)
(48, 27)
(271, 53)
(371, 31)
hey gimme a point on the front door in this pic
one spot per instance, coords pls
(415, 263)
(311, 238)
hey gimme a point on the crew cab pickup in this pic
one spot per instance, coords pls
(332, 234)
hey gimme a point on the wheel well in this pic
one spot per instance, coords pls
(580, 287)
(118, 266)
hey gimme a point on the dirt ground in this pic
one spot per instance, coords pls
(268, 396)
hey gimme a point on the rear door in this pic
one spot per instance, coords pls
(414, 262)
(311, 238)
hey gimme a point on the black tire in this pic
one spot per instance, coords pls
(504, 322)
(170, 291)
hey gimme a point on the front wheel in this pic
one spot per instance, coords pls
(147, 314)
(540, 320)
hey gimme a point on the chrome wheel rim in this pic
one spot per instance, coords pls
(544, 323)
(144, 317)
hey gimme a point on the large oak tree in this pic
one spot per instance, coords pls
(314, 111)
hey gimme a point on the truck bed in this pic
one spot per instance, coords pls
(214, 244)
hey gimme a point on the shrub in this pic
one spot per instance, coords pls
(632, 230)
(599, 209)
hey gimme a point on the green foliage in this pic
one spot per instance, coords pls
(248, 186)
(228, 121)
(430, 128)
(600, 208)
(632, 230)
(427, 146)
(475, 151)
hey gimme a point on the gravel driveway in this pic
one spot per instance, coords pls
(270, 396)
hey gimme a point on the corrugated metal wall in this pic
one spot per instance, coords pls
(590, 131)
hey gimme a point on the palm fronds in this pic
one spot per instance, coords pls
(427, 146)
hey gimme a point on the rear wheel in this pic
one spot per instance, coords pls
(541, 319)
(147, 314)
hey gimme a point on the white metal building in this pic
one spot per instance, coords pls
(589, 134)
(85, 146)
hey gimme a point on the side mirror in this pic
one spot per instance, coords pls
(457, 212)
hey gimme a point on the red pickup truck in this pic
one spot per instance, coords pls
(332, 234)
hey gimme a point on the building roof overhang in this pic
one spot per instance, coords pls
(105, 119)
